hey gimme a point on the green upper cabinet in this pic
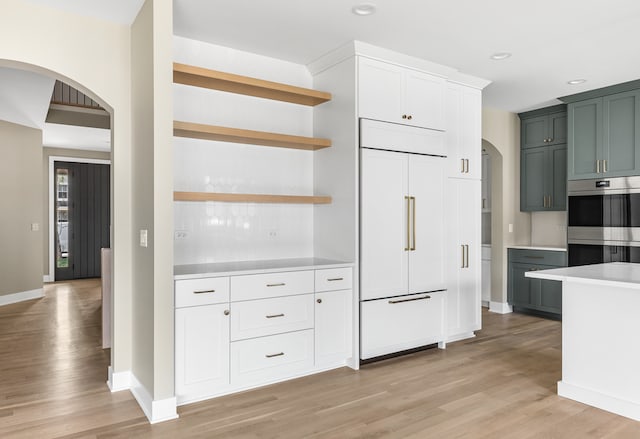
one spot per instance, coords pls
(604, 136)
(543, 159)
(548, 129)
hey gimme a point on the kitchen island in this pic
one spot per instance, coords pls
(600, 329)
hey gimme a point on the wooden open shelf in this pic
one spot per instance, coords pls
(236, 135)
(201, 77)
(250, 198)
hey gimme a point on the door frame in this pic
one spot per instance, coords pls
(51, 191)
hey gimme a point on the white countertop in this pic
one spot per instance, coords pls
(619, 274)
(196, 271)
(538, 247)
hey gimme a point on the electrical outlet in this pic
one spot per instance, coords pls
(273, 233)
(180, 234)
(35, 227)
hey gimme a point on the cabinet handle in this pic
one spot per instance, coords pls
(273, 316)
(544, 201)
(279, 354)
(226, 312)
(534, 257)
(407, 199)
(467, 168)
(604, 165)
(281, 284)
(597, 166)
(413, 220)
(462, 166)
(393, 302)
(467, 258)
(462, 248)
(550, 205)
(204, 291)
(319, 300)
(533, 269)
(483, 200)
(335, 279)
(550, 139)
(545, 140)
(409, 117)
(404, 116)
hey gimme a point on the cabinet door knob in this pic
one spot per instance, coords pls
(404, 116)
(409, 117)
(227, 312)
(319, 300)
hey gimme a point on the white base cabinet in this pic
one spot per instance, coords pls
(270, 327)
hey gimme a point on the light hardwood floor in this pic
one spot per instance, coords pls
(499, 385)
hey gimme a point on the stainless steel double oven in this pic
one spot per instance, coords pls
(604, 220)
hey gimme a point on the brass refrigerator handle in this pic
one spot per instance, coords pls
(462, 248)
(467, 259)
(462, 164)
(407, 198)
(413, 220)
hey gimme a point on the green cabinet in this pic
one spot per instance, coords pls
(543, 160)
(537, 295)
(604, 136)
(548, 129)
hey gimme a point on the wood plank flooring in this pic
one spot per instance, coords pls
(500, 384)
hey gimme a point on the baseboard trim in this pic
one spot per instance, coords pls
(594, 398)
(21, 296)
(500, 307)
(47, 278)
(119, 381)
(159, 410)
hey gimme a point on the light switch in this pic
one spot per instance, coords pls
(143, 238)
(35, 227)
(510, 228)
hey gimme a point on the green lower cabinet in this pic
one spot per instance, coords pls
(535, 295)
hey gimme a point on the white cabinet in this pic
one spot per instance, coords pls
(332, 327)
(202, 351)
(402, 230)
(399, 323)
(463, 257)
(464, 131)
(392, 93)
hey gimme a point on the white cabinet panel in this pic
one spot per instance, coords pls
(426, 257)
(463, 256)
(383, 225)
(260, 286)
(333, 279)
(391, 93)
(464, 131)
(202, 351)
(194, 292)
(332, 327)
(257, 318)
(424, 99)
(265, 359)
(394, 137)
(400, 323)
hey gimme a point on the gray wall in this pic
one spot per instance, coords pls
(21, 195)
(58, 152)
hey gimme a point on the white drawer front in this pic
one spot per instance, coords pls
(399, 323)
(263, 286)
(257, 318)
(207, 291)
(271, 358)
(333, 279)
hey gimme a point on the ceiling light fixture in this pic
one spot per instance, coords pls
(364, 9)
(500, 56)
(576, 81)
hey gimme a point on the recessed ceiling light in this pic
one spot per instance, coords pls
(500, 56)
(576, 81)
(364, 9)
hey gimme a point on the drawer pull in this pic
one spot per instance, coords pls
(279, 354)
(335, 279)
(319, 300)
(204, 291)
(227, 312)
(273, 316)
(534, 257)
(409, 300)
(281, 284)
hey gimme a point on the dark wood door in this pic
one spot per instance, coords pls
(82, 217)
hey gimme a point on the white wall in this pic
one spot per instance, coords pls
(220, 232)
(94, 57)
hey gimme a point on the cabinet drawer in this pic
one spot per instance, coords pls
(257, 318)
(399, 323)
(538, 257)
(265, 359)
(394, 137)
(262, 286)
(207, 291)
(333, 279)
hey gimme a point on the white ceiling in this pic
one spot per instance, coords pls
(552, 41)
(24, 97)
(117, 11)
